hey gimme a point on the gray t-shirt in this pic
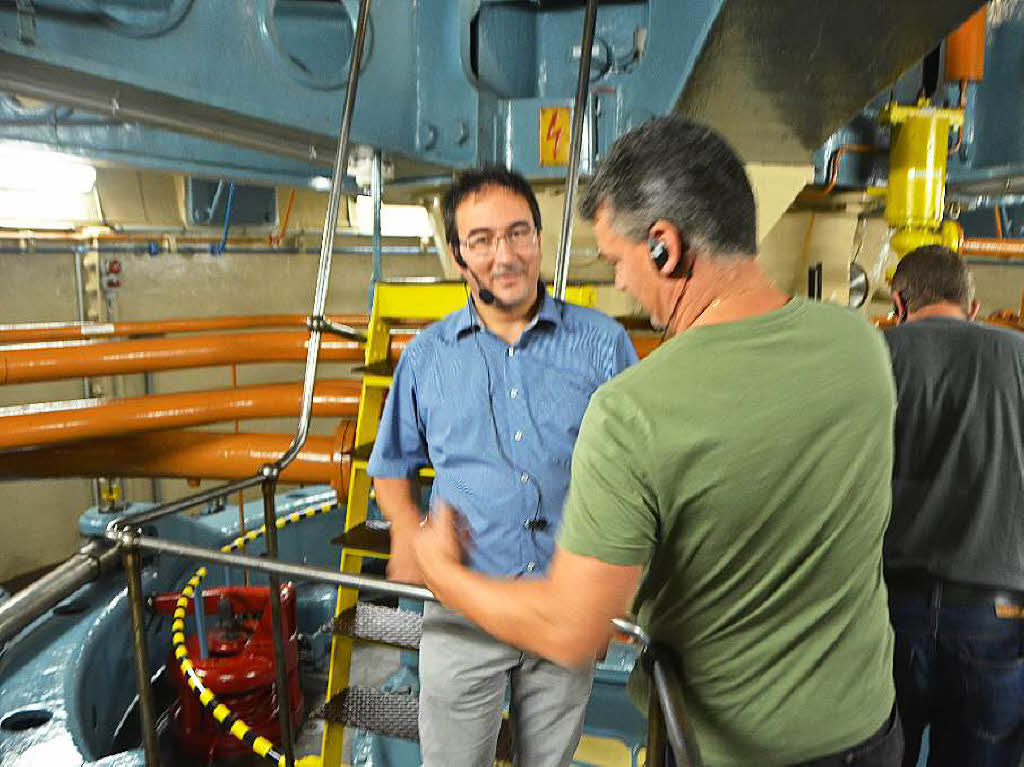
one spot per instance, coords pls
(958, 476)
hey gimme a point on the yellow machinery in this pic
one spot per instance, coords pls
(918, 152)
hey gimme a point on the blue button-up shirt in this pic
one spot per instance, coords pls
(498, 423)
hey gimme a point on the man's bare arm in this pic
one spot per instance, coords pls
(564, 616)
(398, 498)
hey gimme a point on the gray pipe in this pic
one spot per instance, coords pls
(28, 604)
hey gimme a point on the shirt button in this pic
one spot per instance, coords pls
(524, 478)
(517, 436)
(511, 351)
(531, 566)
(514, 393)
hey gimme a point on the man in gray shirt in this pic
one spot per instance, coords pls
(954, 549)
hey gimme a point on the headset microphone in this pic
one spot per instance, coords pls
(485, 295)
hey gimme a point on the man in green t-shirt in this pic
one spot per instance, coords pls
(735, 485)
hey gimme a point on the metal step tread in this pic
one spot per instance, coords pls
(391, 714)
(380, 624)
(369, 536)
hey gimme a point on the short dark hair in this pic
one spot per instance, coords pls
(475, 180)
(680, 171)
(933, 274)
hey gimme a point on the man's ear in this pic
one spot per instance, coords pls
(678, 260)
(973, 313)
(899, 306)
(457, 259)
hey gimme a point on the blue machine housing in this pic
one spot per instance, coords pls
(67, 690)
(66, 682)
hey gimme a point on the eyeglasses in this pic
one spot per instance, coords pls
(521, 238)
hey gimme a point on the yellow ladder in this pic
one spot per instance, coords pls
(391, 302)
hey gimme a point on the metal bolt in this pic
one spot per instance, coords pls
(427, 136)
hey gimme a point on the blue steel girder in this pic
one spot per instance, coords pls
(268, 76)
(105, 140)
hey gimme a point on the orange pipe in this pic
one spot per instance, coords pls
(68, 422)
(965, 49)
(999, 222)
(644, 345)
(190, 455)
(834, 164)
(275, 239)
(152, 354)
(993, 247)
(74, 331)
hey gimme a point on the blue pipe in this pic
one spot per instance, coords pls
(223, 244)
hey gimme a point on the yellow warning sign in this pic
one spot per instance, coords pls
(554, 136)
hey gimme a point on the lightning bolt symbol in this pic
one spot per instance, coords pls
(554, 131)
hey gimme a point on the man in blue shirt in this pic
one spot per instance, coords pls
(492, 397)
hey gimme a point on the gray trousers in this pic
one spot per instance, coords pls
(463, 675)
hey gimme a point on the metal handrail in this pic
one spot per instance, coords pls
(667, 719)
(667, 722)
(575, 146)
(327, 241)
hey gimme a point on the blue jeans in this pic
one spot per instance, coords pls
(958, 668)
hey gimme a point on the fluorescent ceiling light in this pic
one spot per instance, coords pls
(21, 209)
(34, 170)
(395, 220)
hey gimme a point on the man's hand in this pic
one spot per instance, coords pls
(402, 565)
(438, 547)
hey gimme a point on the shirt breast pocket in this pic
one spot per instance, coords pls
(560, 411)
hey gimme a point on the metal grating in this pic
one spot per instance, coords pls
(393, 715)
(390, 714)
(376, 623)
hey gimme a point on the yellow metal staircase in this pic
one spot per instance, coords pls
(393, 302)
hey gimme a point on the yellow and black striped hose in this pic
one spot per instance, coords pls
(218, 710)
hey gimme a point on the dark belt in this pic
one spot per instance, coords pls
(951, 592)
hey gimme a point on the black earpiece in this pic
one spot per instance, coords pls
(659, 253)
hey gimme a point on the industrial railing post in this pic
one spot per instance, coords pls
(327, 242)
(376, 191)
(284, 698)
(575, 146)
(147, 711)
(656, 740)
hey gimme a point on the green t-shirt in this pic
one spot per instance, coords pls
(748, 465)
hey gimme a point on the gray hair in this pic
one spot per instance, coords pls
(673, 169)
(931, 275)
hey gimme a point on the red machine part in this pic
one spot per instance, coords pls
(239, 669)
